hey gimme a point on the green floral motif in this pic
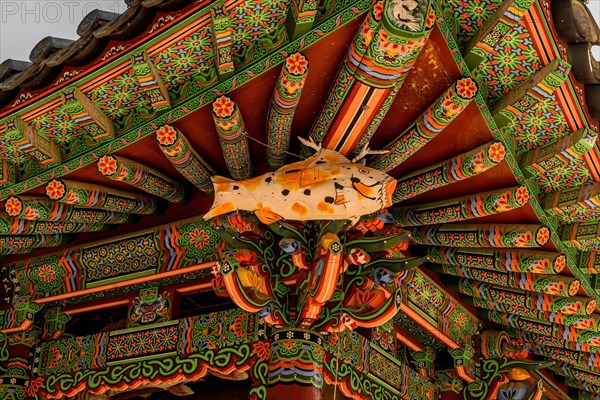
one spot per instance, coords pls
(425, 295)
(119, 96)
(512, 61)
(47, 276)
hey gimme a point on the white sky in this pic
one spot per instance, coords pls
(24, 22)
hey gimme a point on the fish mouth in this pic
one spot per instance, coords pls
(359, 186)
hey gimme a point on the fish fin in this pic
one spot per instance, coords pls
(267, 216)
(221, 183)
(220, 209)
(340, 199)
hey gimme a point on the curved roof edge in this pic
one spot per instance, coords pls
(51, 56)
(576, 26)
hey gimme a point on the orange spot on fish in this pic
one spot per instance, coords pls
(299, 209)
(324, 207)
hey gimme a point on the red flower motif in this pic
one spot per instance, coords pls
(591, 307)
(497, 152)
(478, 165)
(262, 350)
(296, 64)
(542, 236)
(166, 135)
(55, 190)
(367, 34)
(522, 195)
(223, 107)
(46, 273)
(107, 165)
(13, 206)
(199, 238)
(560, 263)
(291, 87)
(466, 88)
(574, 288)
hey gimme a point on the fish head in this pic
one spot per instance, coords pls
(373, 184)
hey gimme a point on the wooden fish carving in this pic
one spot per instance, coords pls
(325, 186)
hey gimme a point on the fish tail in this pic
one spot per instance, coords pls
(222, 203)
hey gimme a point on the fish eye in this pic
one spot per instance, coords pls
(363, 171)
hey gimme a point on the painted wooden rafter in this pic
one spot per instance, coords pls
(41, 209)
(372, 71)
(462, 208)
(455, 169)
(541, 283)
(482, 235)
(437, 117)
(14, 226)
(150, 81)
(503, 260)
(17, 244)
(87, 115)
(233, 137)
(542, 327)
(286, 97)
(589, 322)
(86, 195)
(142, 177)
(180, 153)
(495, 28)
(518, 298)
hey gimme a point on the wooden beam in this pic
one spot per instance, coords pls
(233, 138)
(180, 153)
(81, 194)
(286, 97)
(40, 209)
(462, 208)
(437, 117)
(366, 84)
(538, 87)
(150, 81)
(32, 143)
(142, 177)
(300, 17)
(223, 45)
(87, 115)
(453, 170)
(558, 152)
(495, 28)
